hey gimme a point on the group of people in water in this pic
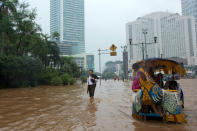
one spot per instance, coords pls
(151, 85)
(170, 84)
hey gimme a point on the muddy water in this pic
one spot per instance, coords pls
(69, 108)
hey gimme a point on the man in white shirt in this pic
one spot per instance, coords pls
(91, 80)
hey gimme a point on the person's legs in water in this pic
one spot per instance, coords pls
(156, 109)
(159, 109)
(91, 89)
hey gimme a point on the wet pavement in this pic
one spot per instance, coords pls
(69, 108)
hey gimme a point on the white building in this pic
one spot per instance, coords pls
(189, 8)
(118, 69)
(175, 37)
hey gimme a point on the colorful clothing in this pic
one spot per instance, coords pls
(136, 84)
(146, 86)
(171, 102)
(156, 94)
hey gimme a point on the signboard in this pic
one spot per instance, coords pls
(113, 48)
(113, 53)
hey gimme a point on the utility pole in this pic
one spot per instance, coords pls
(100, 64)
(125, 63)
(100, 53)
(142, 45)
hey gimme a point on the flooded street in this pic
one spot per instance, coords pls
(69, 108)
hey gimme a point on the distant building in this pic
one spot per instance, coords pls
(189, 8)
(84, 61)
(67, 18)
(119, 69)
(113, 67)
(179, 37)
(175, 37)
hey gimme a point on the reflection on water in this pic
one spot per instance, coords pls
(92, 107)
(69, 108)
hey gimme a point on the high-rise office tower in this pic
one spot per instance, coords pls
(176, 37)
(189, 8)
(67, 18)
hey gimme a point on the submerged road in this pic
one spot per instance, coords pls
(69, 108)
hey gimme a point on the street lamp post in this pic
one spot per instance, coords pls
(142, 47)
(100, 53)
(130, 41)
(125, 61)
(100, 64)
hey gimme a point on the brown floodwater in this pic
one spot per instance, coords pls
(69, 108)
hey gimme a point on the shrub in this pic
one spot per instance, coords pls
(65, 78)
(18, 71)
(72, 81)
(56, 81)
(83, 79)
(47, 75)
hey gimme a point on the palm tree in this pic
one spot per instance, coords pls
(56, 36)
(8, 6)
(53, 53)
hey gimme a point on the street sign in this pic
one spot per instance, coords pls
(113, 53)
(113, 47)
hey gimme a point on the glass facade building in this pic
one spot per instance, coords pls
(67, 18)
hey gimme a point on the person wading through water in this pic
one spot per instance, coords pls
(91, 80)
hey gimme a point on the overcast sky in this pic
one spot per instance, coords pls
(105, 20)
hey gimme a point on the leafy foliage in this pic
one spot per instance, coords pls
(27, 56)
(68, 65)
(19, 71)
(83, 79)
(65, 78)
(47, 75)
(72, 81)
(108, 75)
(56, 81)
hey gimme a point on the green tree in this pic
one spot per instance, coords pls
(23, 48)
(68, 65)
(19, 71)
(7, 33)
(55, 36)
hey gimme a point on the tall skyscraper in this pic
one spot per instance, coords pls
(67, 18)
(176, 37)
(189, 8)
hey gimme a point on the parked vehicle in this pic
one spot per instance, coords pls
(160, 95)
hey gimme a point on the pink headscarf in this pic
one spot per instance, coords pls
(136, 84)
